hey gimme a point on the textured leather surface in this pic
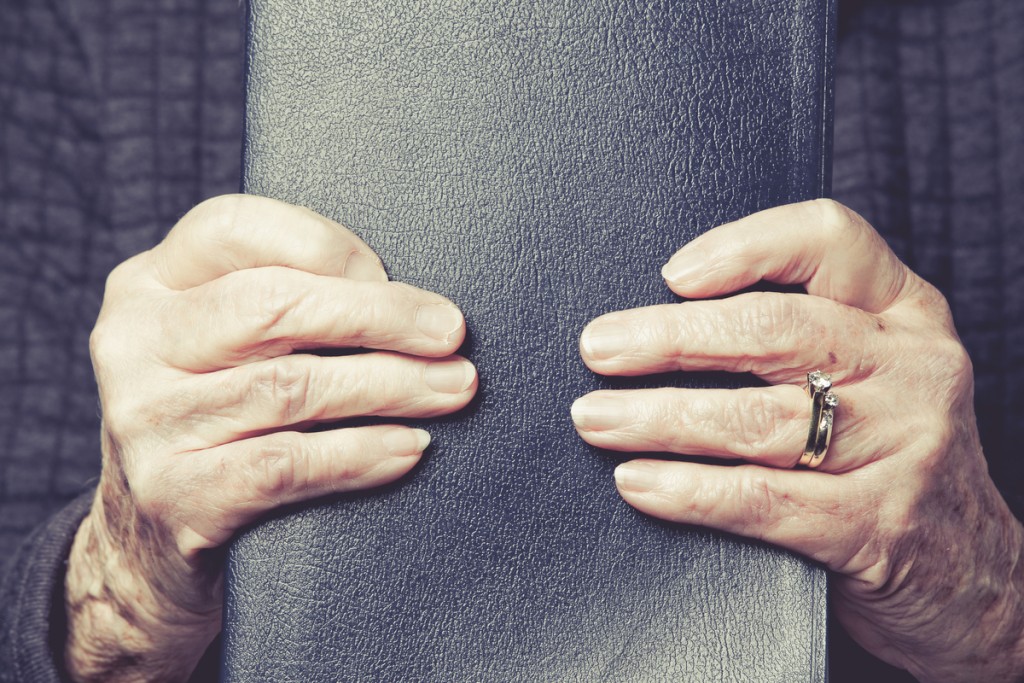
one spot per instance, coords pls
(536, 162)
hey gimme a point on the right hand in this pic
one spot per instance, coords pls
(204, 397)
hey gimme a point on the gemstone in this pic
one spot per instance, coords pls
(819, 381)
(831, 400)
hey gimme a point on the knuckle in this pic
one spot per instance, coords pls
(667, 337)
(663, 336)
(367, 318)
(660, 421)
(119, 278)
(753, 423)
(371, 390)
(104, 345)
(834, 217)
(845, 228)
(285, 386)
(880, 541)
(873, 567)
(374, 315)
(771, 321)
(961, 371)
(947, 368)
(218, 218)
(325, 233)
(265, 302)
(386, 382)
(933, 446)
(757, 501)
(116, 419)
(123, 416)
(277, 466)
(351, 460)
(934, 304)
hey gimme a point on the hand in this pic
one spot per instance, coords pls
(204, 397)
(924, 550)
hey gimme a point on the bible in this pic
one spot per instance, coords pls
(536, 162)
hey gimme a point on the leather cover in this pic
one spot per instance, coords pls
(536, 161)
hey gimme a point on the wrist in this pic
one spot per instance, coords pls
(993, 648)
(1007, 642)
(119, 628)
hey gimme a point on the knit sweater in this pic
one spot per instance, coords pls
(117, 116)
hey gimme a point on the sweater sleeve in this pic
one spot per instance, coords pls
(32, 622)
(31, 599)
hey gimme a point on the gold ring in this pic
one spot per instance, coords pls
(823, 405)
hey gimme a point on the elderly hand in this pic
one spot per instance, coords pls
(204, 391)
(924, 549)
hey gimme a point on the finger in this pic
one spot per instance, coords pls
(807, 512)
(261, 313)
(237, 483)
(767, 425)
(821, 244)
(235, 232)
(301, 389)
(776, 336)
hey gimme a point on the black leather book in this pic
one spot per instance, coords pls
(536, 161)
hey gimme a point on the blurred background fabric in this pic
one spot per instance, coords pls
(929, 147)
(116, 117)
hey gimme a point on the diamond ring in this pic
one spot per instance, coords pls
(823, 405)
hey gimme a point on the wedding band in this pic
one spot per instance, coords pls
(823, 405)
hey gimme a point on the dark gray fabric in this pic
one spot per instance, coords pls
(930, 148)
(32, 596)
(116, 116)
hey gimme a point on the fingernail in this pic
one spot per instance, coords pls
(605, 340)
(638, 477)
(360, 266)
(450, 376)
(439, 321)
(405, 442)
(599, 413)
(684, 267)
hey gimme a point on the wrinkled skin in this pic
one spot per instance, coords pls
(924, 551)
(205, 394)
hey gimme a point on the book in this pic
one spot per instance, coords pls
(536, 162)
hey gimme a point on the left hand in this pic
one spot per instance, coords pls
(902, 510)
